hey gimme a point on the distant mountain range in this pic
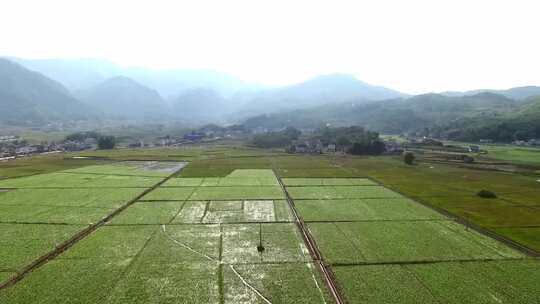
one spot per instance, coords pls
(395, 115)
(326, 89)
(81, 74)
(123, 98)
(35, 92)
(29, 98)
(514, 93)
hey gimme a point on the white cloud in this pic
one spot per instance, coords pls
(414, 46)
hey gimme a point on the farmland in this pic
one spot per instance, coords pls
(187, 226)
(187, 241)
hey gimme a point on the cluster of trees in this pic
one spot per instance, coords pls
(276, 139)
(103, 141)
(357, 140)
(106, 142)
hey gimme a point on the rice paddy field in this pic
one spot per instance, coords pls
(222, 225)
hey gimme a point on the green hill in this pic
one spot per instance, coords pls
(521, 124)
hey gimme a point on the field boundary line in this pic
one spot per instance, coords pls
(467, 223)
(201, 224)
(107, 174)
(514, 226)
(374, 221)
(59, 249)
(422, 262)
(81, 187)
(316, 255)
(40, 223)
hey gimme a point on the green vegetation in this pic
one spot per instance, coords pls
(69, 197)
(149, 213)
(408, 157)
(106, 142)
(510, 153)
(437, 112)
(521, 124)
(470, 282)
(43, 164)
(112, 242)
(82, 180)
(276, 139)
(194, 239)
(23, 243)
(363, 210)
(279, 283)
(148, 281)
(237, 192)
(328, 182)
(82, 136)
(404, 241)
(281, 241)
(341, 192)
(486, 194)
(79, 280)
(358, 140)
(382, 284)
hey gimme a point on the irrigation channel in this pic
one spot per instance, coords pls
(327, 274)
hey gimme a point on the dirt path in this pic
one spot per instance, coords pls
(313, 249)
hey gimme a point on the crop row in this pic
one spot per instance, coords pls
(470, 282)
(164, 212)
(94, 197)
(134, 168)
(216, 193)
(180, 264)
(290, 182)
(69, 180)
(364, 210)
(221, 181)
(378, 242)
(341, 192)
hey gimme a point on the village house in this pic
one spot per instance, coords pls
(392, 147)
(194, 136)
(331, 148)
(312, 146)
(26, 150)
(474, 149)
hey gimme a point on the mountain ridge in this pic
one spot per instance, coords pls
(30, 98)
(123, 97)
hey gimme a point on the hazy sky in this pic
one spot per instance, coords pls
(411, 45)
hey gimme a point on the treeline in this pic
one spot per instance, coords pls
(501, 131)
(354, 140)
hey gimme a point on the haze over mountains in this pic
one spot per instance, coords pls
(34, 92)
(28, 97)
(123, 98)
